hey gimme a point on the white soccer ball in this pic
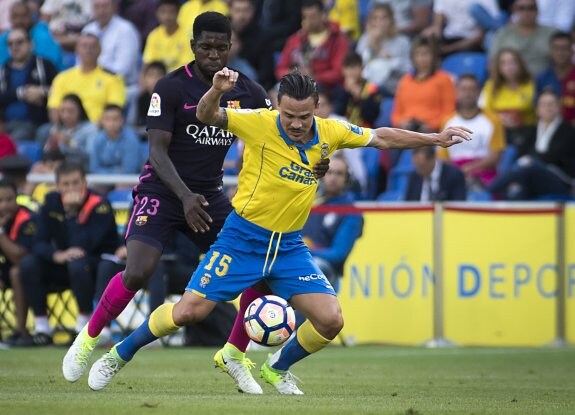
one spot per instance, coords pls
(269, 320)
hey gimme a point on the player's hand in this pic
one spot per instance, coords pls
(321, 168)
(453, 135)
(196, 217)
(225, 80)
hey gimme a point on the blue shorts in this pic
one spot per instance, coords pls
(245, 253)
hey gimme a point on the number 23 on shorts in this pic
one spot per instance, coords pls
(223, 265)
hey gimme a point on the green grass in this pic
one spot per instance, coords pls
(358, 380)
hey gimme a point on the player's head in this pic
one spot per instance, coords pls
(71, 178)
(8, 194)
(297, 102)
(211, 43)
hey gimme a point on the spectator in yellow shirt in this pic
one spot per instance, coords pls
(168, 43)
(192, 8)
(346, 14)
(95, 86)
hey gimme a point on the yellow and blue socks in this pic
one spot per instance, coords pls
(159, 324)
(306, 341)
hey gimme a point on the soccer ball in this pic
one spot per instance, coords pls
(269, 320)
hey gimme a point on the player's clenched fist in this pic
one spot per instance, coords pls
(225, 80)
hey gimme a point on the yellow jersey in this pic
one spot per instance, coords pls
(192, 8)
(96, 89)
(276, 186)
(173, 50)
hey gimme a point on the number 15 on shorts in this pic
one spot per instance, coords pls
(223, 265)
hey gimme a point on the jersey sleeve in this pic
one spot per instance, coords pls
(163, 105)
(247, 123)
(259, 96)
(349, 135)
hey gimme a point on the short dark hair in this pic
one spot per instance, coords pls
(114, 107)
(212, 22)
(306, 4)
(428, 151)
(470, 77)
(298, 86)
(175, 3)
(69, 167)
(560, 35)
(352, 58)
(8, 184)
(159, 65)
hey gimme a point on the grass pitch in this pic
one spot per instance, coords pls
(358, 380)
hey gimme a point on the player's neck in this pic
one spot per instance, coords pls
(197, 72)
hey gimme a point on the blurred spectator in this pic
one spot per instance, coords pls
(119, 41)
(317, 50)
(244, 23)
(358, 100)
(116, 148)
(192, 8)
(73, 133)
(151, 73)
(560, 76)
(433, 180)
(5, 6)
(43, 42)
(510, 92)
(330, 235)
(75, 227)
(66, 19)
(141, 13)
(93, 84)
(546, 165)
(524, 35)
(279, 20)
(25, 80)
(455, 27)
(346, 14)
(169, 43)
(353, 157)
(7, 146)
(559, 14)
(17, 232)
(15, 169)
(237, 62)
(385, 54)
(50, 161)
(425, 97)
(478, 158)
(412, 16)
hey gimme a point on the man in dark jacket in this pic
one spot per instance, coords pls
(75, 227)
(25, 80)
(433, 180)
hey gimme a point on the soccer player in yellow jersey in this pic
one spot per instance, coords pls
(261, 238)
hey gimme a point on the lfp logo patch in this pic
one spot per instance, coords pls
(155, 109)
(352, 127)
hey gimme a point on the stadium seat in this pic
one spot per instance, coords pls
(467, 62)
(120, 195)
(479, 196)
(399, 174)
(68, 60)
(31, 150)
(385, 109)
(364, 6)
(391, 196)
(230, 162)
(145, 150)
(370, 158)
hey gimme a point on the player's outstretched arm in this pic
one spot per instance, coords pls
(385, 138)
(209, 110)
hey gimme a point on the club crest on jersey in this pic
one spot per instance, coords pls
(324, 150)
(141, 220)
(205, 280)
(155, 109)
(234, 104)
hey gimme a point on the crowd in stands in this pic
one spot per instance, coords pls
(77, 77)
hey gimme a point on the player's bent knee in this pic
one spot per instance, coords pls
(191, 309)
(136, 276)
